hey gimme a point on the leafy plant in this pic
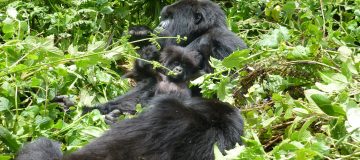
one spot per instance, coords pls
(298, 84)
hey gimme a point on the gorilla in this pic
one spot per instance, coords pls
(171, 127)
(202, 22)
(185, 65)
(41, 149)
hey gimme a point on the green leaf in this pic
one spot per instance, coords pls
(289, 8)
(107, 10)
(332, 87)
(353, 115)
(345, 51)
(218, 154)
(8, 139)
(273, 39)
(92, 131)
(96, 46)
(236, 59)
(221, 90)
(44, 122)
(4, 104)
(267, 122)
(4, 157)
(299, 52)
(324, 103)
(8, 28)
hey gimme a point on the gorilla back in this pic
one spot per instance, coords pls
(171, 129)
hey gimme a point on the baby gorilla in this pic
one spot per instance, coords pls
(172, 128)
(154, 82)
(185, 66)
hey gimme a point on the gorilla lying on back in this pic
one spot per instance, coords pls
(171, 128)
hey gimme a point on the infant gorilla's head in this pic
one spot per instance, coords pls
(184, 63)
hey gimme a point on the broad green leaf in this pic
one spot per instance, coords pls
(198, 81)
(96, 46)
(273, 39)
(107, 10)
(267, 122)
(103, 76)
(353, 115)
(4, 104)
(299, 52)
(324, 103)
(4, 157)
(221, 90)
(236, 59)
(330, 88)
(300, 111)
(235, 152)
(8, 28)
(218, 154)
(114, 53)
(8, 139)
(289, 8)
(345, 51)
(43, 122)
(92, 131)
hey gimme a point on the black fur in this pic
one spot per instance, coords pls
(204, 24)
(143, 69)
(171, 129)
(41, 149)
(155, 82)
(139, 33)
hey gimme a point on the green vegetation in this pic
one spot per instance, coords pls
(298, 85)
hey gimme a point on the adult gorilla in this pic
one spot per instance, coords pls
(204, 24)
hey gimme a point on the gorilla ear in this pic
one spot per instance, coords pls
(198, 17)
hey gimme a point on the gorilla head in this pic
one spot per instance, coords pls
(184, 63)
(190, 18)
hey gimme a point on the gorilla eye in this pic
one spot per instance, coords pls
(176, 63)
(198, 17)
(168, 15)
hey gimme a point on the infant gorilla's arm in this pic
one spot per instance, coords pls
(139, 33)
(182, 61)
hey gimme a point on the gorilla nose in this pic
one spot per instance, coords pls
(178, 70)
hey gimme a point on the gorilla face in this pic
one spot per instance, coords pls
(184, 63)
(190, 18)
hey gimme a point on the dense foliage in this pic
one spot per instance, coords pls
(298, 85)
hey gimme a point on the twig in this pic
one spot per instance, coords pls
(322, 13)
(313, 62)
